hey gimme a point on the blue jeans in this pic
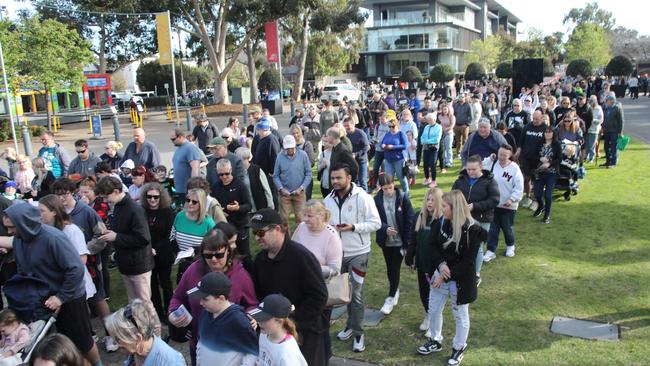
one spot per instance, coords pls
(544, 185)
(362, 177)
(430, 159)
(479, 254)
(610, 147)
(394, 168)
(448, 142)
(504, 219)
(591, 145)
(377, 162)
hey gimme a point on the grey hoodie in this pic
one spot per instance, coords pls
(45, 252)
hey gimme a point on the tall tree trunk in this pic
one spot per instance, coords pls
(221, 91)
(304, 44)
(102, 49)
(252, 72)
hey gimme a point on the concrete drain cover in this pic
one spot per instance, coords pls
(586, 329)
(371, 317)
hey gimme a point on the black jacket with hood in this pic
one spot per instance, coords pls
(483, 195)
(404, 218)
(133, 242)
(45, 252)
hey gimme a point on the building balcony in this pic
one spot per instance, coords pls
(418, 38)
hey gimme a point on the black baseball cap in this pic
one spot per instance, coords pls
(272, 306)
(213, 283)
(264, 218)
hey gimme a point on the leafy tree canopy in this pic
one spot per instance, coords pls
(619, 66)
(579, 67)
(442, 73)
(589, 41)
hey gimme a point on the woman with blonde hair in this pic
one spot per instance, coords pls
(42, 182)
(112, 155)
(454, 248)
(133, 327)
(190, 226)
(25, 174)
(418, 255)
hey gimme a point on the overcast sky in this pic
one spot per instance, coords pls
(546, 15)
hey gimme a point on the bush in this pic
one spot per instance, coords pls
(411, 74)
(504, 70)
(549, 69)
(579, 67)
(442, 73)
(160, 101)
(475, 71)
(36, 130)
(619, 66)
(270, 79)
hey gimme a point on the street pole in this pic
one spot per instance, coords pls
(7, 96)
(280, 67)
(178, 119)
(180, 52)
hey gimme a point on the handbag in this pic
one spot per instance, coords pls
(339, 291)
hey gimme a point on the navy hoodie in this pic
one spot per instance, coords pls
(46, 253)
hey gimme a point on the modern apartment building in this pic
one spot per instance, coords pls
(427, 32)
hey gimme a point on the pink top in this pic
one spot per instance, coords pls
(24, 179)
(326, 246)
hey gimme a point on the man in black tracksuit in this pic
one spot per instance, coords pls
(482, 194)
(528, 152)
(288, 268)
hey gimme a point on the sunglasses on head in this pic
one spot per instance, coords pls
(189, 200)
(208, 256)
(128, 314)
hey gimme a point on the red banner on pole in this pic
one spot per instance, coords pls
(272, 50)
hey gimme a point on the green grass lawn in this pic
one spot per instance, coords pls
(591, 262)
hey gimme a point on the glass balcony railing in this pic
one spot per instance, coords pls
(402, 21)
(416, 38)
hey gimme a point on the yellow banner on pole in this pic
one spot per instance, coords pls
(164, 38)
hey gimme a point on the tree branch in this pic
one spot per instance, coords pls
(235, 54)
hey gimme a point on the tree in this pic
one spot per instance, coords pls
(619, 66)
(62, 55)
(591, 13)
(485, 52)
(579, 67)
(270, 80)
(331, 53)
(152, 75)
(589, 41)
(504, 70)
(13, 50)
(475, 71)
(629, 43)
(411, 74)
(442, 73)
(549, 69)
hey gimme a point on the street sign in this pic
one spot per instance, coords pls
(166, 85)
(96, 122)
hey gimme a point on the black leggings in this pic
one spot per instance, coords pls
(393, 258)
(423, 286)
(161, 278)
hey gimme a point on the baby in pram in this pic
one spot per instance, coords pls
(14, 336)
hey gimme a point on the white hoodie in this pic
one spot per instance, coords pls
(359, 210)
(510, 181)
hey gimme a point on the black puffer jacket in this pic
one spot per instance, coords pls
(483, 195)
(133, 242)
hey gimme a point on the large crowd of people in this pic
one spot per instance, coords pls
(67, 220)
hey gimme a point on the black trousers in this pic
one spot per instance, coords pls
(315, 343)
(106, 275)
(393, 258)
(423, 286)
(161, 278)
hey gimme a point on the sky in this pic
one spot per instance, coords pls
(546, 15)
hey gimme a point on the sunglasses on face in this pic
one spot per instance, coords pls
(189, 200)
(173, 138)
(224, 174)
(81, 151)
(261, 232)
(208, 256)
(153, 197)
(567, 121)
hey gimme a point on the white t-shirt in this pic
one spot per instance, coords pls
(285, 353)
(78, 241)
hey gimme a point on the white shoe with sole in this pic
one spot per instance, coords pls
(510, 251)
(344, 334)
(533, 205)
(389, 303)
(489, 255)
(359, 344)
(425, 323)
(396, 297)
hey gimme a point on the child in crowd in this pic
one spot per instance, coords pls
(14, 336)
(9, 190)
(125, 172)
(160, 172)
(278, 340)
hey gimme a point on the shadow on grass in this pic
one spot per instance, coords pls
(628, 320)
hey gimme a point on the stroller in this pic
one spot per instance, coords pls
(567, 180)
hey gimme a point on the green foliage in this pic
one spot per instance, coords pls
(619, 66)
(270, 80)
(579, 67)
(411, 74)
(13, 51)
(335, 15)
(549, 69)
(442, 73)
(330, 53)
(36, 131)
(589, 41)
(485, 52)
(475, 71)
(504, 70)
(160, 101)
(151, 75)
(591, 13)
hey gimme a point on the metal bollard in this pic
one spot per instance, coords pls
(244, 119)
(27, 140)
(293, 107)
(188, 118)
(116, 127)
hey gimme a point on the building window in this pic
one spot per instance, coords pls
(371, 65)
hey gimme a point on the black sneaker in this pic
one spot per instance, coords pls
(539, 211)
(429, 347)
(456, 357)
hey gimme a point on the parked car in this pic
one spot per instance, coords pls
(336, 92)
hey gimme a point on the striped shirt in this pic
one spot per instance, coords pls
(189, 233)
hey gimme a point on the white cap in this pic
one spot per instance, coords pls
(288, 142)
(128, 164)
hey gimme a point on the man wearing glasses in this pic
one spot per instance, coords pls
(186, 161)
(85, 162)
(55, 157)
(289, 268)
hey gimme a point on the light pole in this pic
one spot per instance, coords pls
(7, 96)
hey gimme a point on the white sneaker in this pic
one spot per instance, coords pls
(388, 305)
(510, 251)
(111, 345)
(344, 334)
(489, 255)
(533, 205)
(525, 202)
(427, 334)
(396, 297)
(359, 345)
(425, 323)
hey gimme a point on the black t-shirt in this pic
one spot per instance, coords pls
(514, 119)
(531, 137)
